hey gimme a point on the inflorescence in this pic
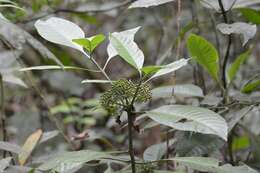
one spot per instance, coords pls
(122, 93)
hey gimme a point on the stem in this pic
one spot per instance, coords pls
(98, 66)
(130, 136)
(130, 115)
(101, 69)
(3, 121)
(167, 149)
(225, 61)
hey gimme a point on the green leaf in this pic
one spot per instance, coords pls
(127, 49)
(250, 87)
(240, 143)
(233, 69)
(204, 53)
(69, 160)
(90, 43)
(190, 118)
(251, 15)
(151, 69)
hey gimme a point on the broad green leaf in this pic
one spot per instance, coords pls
(190, 118)
(148, 3)
(7, 146)
(156, 151)
(169, 68)
(240, 143)
(90, 43)
(233, 69)
(251, 15)
(96, 40)
(247, 30)
(205, 54)
(69, 160)
(95, 81)
(28, 146)
(250, 87)
(151, 69)
(122, 44)
(185, 90)
(60, 31)
(4, 163)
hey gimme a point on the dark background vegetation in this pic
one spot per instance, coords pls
(60, 93)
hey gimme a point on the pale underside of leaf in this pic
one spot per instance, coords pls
(6, 146)
(196, 119)
(110, 48)
(247, 30)
(60, 31)
(170, 68)
(148, 3)
(4, 163)
(128, 50)
(207, 164)
(184, 90)
(69, 160)
(95, 81)
(157, 151)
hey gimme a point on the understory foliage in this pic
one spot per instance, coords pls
(134, 86)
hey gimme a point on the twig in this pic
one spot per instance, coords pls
(178, 15)
(3, 123)
(225, 61)
(62, 10)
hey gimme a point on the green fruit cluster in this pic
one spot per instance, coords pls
(122, 93)
(146, 168)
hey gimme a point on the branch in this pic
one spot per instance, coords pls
(72, 11)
